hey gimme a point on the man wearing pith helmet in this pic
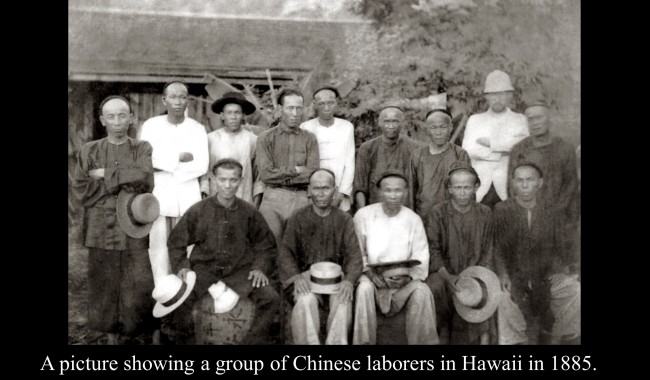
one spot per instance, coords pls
(489, 137)
(109, 172)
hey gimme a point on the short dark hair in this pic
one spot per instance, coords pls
(289, 91)
(326, 87)
(323, 170)
(529, 164)
(441, 110)
(164, 91)
(477, 180)
(227, 163)
(391, 174)
(109, 98)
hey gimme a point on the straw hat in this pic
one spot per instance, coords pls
(324, 277)
(478, 294)
(170, 292)
(136, 212)
(497, 81)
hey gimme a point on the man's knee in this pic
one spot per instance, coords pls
(365, 289)
(308, 299)
(421, 291)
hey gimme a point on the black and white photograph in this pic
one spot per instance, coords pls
(311, 172)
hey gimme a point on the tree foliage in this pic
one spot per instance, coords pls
(424, 47)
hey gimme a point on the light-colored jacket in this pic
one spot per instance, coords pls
(176, 183)
(503, 130)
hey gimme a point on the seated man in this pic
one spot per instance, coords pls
(531, 260)
(316, 233)
(390, 232)
(233, 243)
(460, 235)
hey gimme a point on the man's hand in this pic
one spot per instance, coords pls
(338, 198)
(345, 291)
(96, 173)
(397, 282)
(258, 277)
(376, 279)
(134, 188)
(183, 273)
(300, 169)
(506, 284)
(300, 287)
(450, 281)
(185, 157)
(483, 141)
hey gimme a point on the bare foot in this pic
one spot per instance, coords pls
(113, 339)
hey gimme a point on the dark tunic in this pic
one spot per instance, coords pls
(377, 156)
(280, 150)
(457, 241)
(310, 238)
(228, 244)
(427, 176)
(120, 281)
(529, 255)
(558, 162)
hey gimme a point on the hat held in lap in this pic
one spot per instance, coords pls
(324, 277)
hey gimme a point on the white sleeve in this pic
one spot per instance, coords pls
(199, 165)
(473, 131)
(348, 168)
(360, 229)
(164, 158)
(419, 251)
(510, 135)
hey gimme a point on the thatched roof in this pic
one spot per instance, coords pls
(113, 45)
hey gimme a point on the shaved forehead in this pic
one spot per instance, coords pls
(322, 175)
(439, 117)
(391, 112)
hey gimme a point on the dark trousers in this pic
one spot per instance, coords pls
(119, 291)
(491, 198)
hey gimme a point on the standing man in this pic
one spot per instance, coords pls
(460, 235)
(490, 136)
(286, 157)
(120, 281)
(316, 233)
(430, 164)
(335, 143)
(554, 156)
(233, 244)
(232, 141)
(389, 152)
(180, 157)
(531, 260)
(390, 232)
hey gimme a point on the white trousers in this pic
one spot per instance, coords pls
(305, 320)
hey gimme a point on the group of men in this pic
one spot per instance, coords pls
(260, 213)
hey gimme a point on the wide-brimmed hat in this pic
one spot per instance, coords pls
(236, 98)
(170, 292)
(324, 277)
(225, 299)
(395, 268)
(497, 81)
(478, 294)
(137, 212)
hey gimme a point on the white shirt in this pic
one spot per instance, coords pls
(504, 130)
(336, 149)
(386, 239)
(176, 184)
(239, 146)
